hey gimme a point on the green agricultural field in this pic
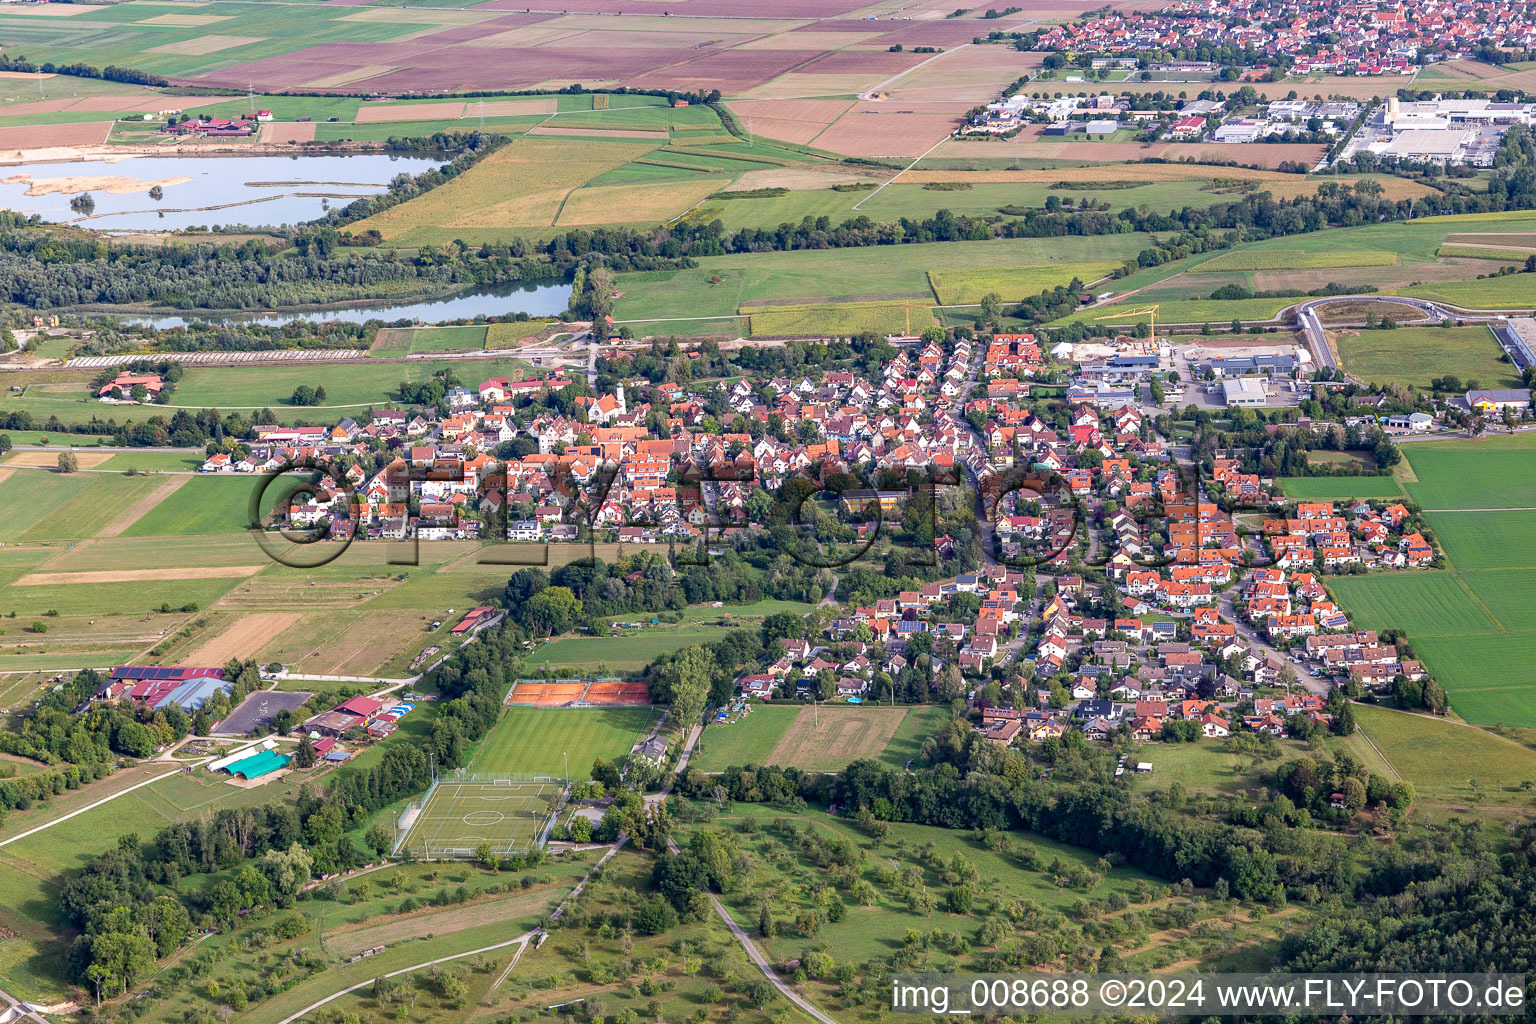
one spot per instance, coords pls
(1012, 284)
(352, 384)
(396, 342)
(85, 512)
(508, 334)
(871, 273)
(1484, 252)
(1205, 311)
(1474, 625)
(628, 651)
(1485, 540)
(1424, 603)
(1294, 259)
(1339, 488)
(1512, 291)
(206, 504)
(1413, 356)
(838, 318)
(533, 739)
(1494, 472)
(31, 495)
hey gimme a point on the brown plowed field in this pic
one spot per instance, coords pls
(43, 136)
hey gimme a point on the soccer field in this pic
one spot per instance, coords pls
(458, 817)
(539, 740)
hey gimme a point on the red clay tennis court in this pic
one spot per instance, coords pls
(545, 694)
(632, 692)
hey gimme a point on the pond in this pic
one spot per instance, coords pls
(265, 191)
(544, 297)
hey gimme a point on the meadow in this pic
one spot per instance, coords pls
(1012, 284)
(1339, 488)
(840, 318)
(1217, 313)
(534, 739)
(394, 342)
(1413, 356)
(896, 272)
(626, 651)
(824, 738)
(1295, 259)
(1512, 291)
(1421, 748)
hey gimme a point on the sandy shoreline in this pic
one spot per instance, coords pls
(75, 184)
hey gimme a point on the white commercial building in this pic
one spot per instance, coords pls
(1244, 391)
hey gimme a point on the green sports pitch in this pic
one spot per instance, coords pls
(457, 817)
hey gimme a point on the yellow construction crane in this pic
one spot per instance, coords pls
(1150, 312)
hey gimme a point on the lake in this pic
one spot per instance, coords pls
(536, 298)
(269, 190)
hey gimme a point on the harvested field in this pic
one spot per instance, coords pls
(348, 76)
(798, 179)
(243, 639)
(413, 112)
(48, 11)
(812, 36)
(1124, 172)
(87, 460)
(976, 75)
(527, 35)
(1265, 154)
(16, 138)
(859, 62)
(205, 572)
(821, 111)
(521, 185)
(626, 204)
(362, 646)
(598, 132)
(878, 129)
(206, 44)
(132, 515)
(185, 20)
(510, 108)
(729, 71)
(292, 131)
(793, 85)
(420, 16)
(846, 734)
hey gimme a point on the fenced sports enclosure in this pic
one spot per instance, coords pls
(460, 814)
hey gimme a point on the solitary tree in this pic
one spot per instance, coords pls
(68, 463)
